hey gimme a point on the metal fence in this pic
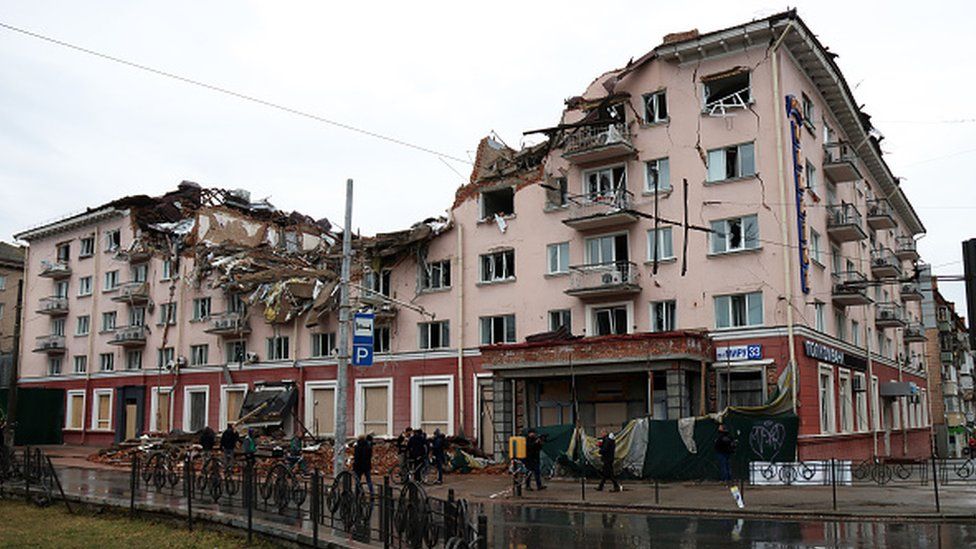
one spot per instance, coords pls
(394, 516)
(31, 472)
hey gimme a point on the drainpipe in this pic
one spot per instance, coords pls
(784, 227)
(872, 399)
(460, 321)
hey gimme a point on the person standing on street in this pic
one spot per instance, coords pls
(417, 453)
(438, 448)
(207, 439)
(724, 448)
(228, 443)
(608, 447)
(533, 460)
(362, 460)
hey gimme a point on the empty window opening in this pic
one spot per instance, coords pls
(498, 266)
(610, 320)
(656, 107)
(498, 202)
(726, 91)
(605, 183)
(731, 162)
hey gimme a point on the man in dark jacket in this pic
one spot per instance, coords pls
(207, 439)
(724, 448)
(362, 460)
(228, 442)
(401, 446)
(608, 447)
(438, 449)
(533, 460)
(417, 452)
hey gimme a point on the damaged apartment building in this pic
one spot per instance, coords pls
(696, 222)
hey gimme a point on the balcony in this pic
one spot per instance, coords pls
(950, 388)
(600, 211)
(947, 357)
(130, 336)
(840, 163)
(137, 253)
(889, 315)
(844, 223)
(135, 293)
(944, 325)
(880, 214)
(54, 306)
(229, 324)
(884, 264)
(51, 344)
(914, 333)
(906, 249)
(56, 270)
(602, 280)
(596, 143)
(911, 291)
(850, 288)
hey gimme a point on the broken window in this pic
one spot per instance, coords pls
(655, 107)
(738, 310)
(63, 252)
(196, 410)
(168, 271)
(199, 355)
(165, 356)
(434, 335)
(658, 175)
(235, 304)
(663, 316)
(807, 105)
(610, 320)
(560, 318)
(323, 344)
(605, 182)
(811, 175)
(737, 233)
(740, 389)
(113, 240)
(133, 359)
(278, 348)
(726, 91)
(139, 272)
(499, 202)
(497, 329)
(602, 250)
(436, 275)
(54, 366)
(108, 321)
(87, 247)
(236, 351)
(167, 314)
(498, 266)
(731, 162)
(381, 339)
(379, 283)
(558, 194)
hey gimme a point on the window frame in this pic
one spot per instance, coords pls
(202, 305)
(443, 275)
(739, 169)
(747, 296)
(561, 258)
(316, 342)
(663, 238)
(657, 188)
(505, 254)
(87, 325)
(187, 401)
(224, 389)
(106, 358)
(593, 309)
(831, 406)
(86, 246)
(505, 328)
(83, 361)
(425, 331)
(69, 409)
(602, 194)
(154, 408)
(130, 353)
(670, 307)
(85, 286)
(97, 395)
(359, 404)
(416, 403)
(309, 407)
(195, 350)
(274, 346)
(654, 102)
(553, 314)
(845, 402)
(724, 235)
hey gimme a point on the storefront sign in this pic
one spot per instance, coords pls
(799, 186)
(830, 355)
(734, 353)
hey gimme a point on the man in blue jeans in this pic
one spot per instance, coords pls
(724, 448)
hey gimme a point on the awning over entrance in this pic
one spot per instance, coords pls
(898, 389)
(268, 405)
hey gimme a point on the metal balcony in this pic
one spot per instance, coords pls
(905, 248)
(911, 291)
(229, 324)
(54, 306)
(840, 163)
(884, 264)
(600, 211)
(56, 270)
(850, 288)
(50, 344)
(136, 293)
(601, 280)
(130, 336)
(595, 143)
(880, 214)
(914, 333)
(844, 223)
(889, 315)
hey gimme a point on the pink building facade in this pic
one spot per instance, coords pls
(705, 217)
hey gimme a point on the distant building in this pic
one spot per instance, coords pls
(11, 273)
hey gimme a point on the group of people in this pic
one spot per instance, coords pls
(415, 450)
(229, 439)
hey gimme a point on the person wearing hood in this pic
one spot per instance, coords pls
(608, 447)
(362, 460)
(438, 447)
(417, 452)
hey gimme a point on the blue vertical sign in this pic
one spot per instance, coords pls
(796, 121)
(362, 339)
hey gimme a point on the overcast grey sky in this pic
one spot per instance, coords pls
(77, 131)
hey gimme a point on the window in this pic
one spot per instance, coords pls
(875, 405)
(896, 411)
(140, 272)
(374, 406)
(740, 388)
(381, 339)
(811, 175)
(236, 351)
(133, 359)
(61, 288)
(846, 401)
(560, 318)
(558, 255)
(604, 250)
(320, 407)
(168, 270)
(201, 308)
(113, 240)
(497, 329)
(107, 361)
(137, 316)
(856, 333)
(231, 399)
(81, 364)
(604, 183)
(323, 344)
(610, 320)
(659, 244)
(63, 252)
(558, 195)
(102, 410)
(737, 233)
(108, 321)
(87, 247)
(860, 389)
(74, 417)
(655, 107)
(807, 109)
(167, 314)
(196, 402)
(165, 356)
(663, 316)
(235, 304)
(498, 266)
(83, 325)
(379, 283)
(726, 90)
(434, 335)
(731, 162)
(500, 202)
(816, 245)
(432, 403)
(435, 275)
(161, 402)
(658, 175)
(3, 282)
(925, 408)
(57, 327)
(85, 286)
(827, 421)
(277, 348)
(54, 366)
(199, 355)
(738, 310)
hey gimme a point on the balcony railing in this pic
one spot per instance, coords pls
(601, 210)
(914, 333)
(58, 269)
(54, 306)
(130, 336)
(890, 315)
(603, 279)
(591, 143)
(840, 163)
(133, 292)
(906, 249)
(231, 323)
(844, 223)
(884, 264)
(51, 344)
(850, 288)
(880, 214)
(911, 291)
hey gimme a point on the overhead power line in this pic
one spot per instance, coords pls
(232, 93)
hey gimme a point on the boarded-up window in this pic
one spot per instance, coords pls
(76, 410)
(376, 410)
(323, 411)
(103, 411)
(232, 403)
(433, 408)
(162, 412)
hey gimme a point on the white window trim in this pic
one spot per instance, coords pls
(650, 314)
(416, 383)
(866, 391)
(557, 245)
(94, 415)
(477, 405)
(224, 389)
(657, 236)
(310, 405)
(874, 405)
(585, 176)
(154, 407)
(747, 367)
(589, 315)
(360, 410)
(205, 389)
(647, 180)
(832, 415)
(68, 409)
(844, 379)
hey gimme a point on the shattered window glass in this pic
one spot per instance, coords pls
(498, 266)
(436, 275)
(655, 107)
(611, 320)
(278, 348)
(603, 183)
(497, 329)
